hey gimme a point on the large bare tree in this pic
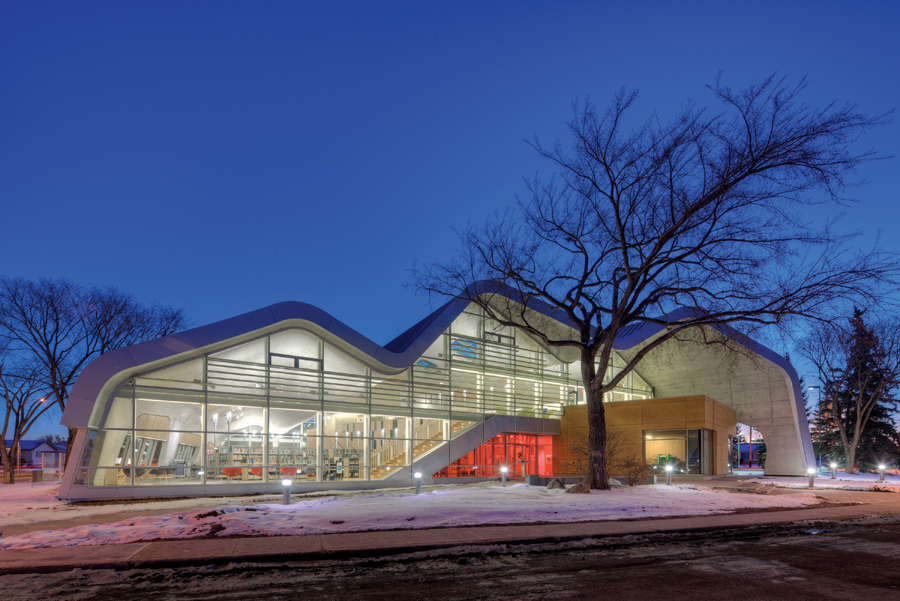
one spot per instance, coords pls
(24, 405)
(60, 327)
(702, 213)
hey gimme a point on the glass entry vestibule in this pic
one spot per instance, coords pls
(687, 451)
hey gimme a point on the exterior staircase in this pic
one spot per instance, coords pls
(420, 448)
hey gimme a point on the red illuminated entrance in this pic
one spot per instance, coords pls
(504, 449)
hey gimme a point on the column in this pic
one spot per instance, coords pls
(367, 446)
(409, 440)
(320, 432)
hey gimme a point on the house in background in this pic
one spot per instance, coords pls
(33, 449)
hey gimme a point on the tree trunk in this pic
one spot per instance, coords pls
(849, 448)
(9, 469)
(598, 476)
(850, 454)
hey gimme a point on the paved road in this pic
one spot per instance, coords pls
(857, 559)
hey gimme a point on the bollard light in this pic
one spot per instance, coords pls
(418, 477)
(881, 472)
(812, 476)
(286, 483)
(668, 475)
(503, 471)
(833, 470)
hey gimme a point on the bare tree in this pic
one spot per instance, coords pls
(579, 452)
(698, 213)
(859, 367)
(61, 327)
(24, 406)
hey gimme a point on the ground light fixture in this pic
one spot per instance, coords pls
(881, 469)
(286, 486)
(833, 470)
(418, 477)
(668, 475)
(503, 471)
(812, 476)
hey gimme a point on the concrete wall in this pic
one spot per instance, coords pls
(629, 419)
(763, 393)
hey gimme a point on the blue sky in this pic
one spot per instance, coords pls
(221, 157)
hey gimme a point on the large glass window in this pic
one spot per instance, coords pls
(292, 404)
(687, 451)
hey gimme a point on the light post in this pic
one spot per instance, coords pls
(811, 471)
(503, 471)
(668, 475)
(881, 472)
(833, 470)
(286, 491)
(418, 477)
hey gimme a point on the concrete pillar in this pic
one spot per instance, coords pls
(320, 433)
(409, 441)
(367, 447)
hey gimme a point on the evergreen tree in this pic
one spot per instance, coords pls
(853, 418)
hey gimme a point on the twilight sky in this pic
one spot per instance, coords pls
(224, 156)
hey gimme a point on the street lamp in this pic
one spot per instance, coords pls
(881, 472)
(668, 475)
(286, 486)
(833, 470)
(418, 477)
(503, 471)
(812, 476)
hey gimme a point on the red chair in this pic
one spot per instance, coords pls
(290, 472)
(232, 472)
(257, 471)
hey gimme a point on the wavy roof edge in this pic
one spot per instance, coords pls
(400, 353)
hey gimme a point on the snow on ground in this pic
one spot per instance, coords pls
(27, 502)
(843, 481)
(461, 506)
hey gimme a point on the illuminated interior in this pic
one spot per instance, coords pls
(293, 404)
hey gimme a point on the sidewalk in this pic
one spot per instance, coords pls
(359, 544)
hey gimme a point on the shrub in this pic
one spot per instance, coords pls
(635, 469)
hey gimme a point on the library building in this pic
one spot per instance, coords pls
(290, 392)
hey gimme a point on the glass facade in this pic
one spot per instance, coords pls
(687, 451)
(290, 404)
(515, 451)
